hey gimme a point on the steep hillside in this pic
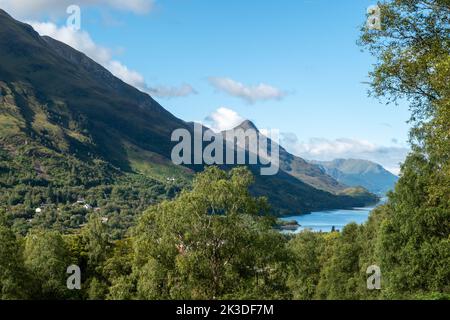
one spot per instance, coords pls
(300, 179)
(308, 173)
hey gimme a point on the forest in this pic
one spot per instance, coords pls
(215, 240)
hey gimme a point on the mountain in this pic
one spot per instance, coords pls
(310, 176)
(69, 129)
(309, 173)
(354, 172)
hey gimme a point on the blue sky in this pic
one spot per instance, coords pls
(291, 65)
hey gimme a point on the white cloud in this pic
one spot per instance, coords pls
(36, 8)
(170, 92)
(251, 94)
(223, 119)
(345, 148)
(82, 41)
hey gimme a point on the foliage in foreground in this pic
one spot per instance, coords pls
(214, 242)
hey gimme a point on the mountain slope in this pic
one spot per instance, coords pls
(367, 174)
(69, 128)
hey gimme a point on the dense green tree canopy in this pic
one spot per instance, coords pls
(216, 241)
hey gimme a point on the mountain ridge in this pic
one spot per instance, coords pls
(297, 167)
(358, 172)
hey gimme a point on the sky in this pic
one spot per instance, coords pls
(291, 65)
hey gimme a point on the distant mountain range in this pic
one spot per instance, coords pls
(67, 122)
(355, 172)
